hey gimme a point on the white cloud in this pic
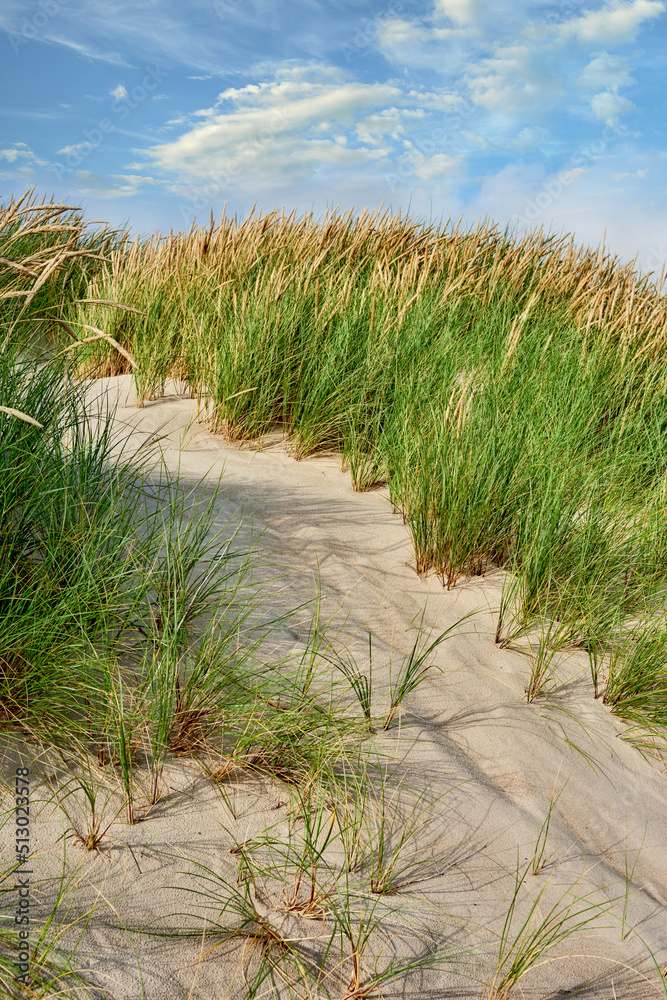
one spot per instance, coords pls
(397, 33)
(411, 44)
(437, 100)
(87, 51)
(118, 93)
(116, 186)
(464, 12)
(391, 122)
(373, 128)
(519, 80)
(427, 168)
(627, 176)
(609, 107)
(477, 140)
(516, 65)
(304, 122)
(607, 72)
(527, 139)
(23, 165)
(618, 22)
(570, 176)
(14, 153)
(20, 154)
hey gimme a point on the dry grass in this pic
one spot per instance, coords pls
(393, 255)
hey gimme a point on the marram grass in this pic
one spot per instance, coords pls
(510, 391)
(511, 395)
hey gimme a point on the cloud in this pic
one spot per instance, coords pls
(411, 44)
(516, 65)
(463, 12)
(582, 200)
(529, 138)
(116, 186)
(627, 176)
(306, 122)
(437, 100)
(570, 176)
(520, 80)
(616, 23)
(427, 168)
(23, 165)
(397, 33)
(609, 107)
(87, 51)
(126, 32)
(12, 154)
(392, 122)
(606, 71)
(20, 154)
(118, 93)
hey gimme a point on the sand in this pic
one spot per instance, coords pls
(489, 761)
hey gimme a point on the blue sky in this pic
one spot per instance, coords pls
(152, 112)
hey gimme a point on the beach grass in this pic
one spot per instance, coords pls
(509, 393)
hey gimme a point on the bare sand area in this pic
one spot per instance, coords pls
(466, 738)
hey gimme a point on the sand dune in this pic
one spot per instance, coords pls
(489, 761)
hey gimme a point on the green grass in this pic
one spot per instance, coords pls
(53, 941)
(543, 929)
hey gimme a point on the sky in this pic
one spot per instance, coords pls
(151, 113)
